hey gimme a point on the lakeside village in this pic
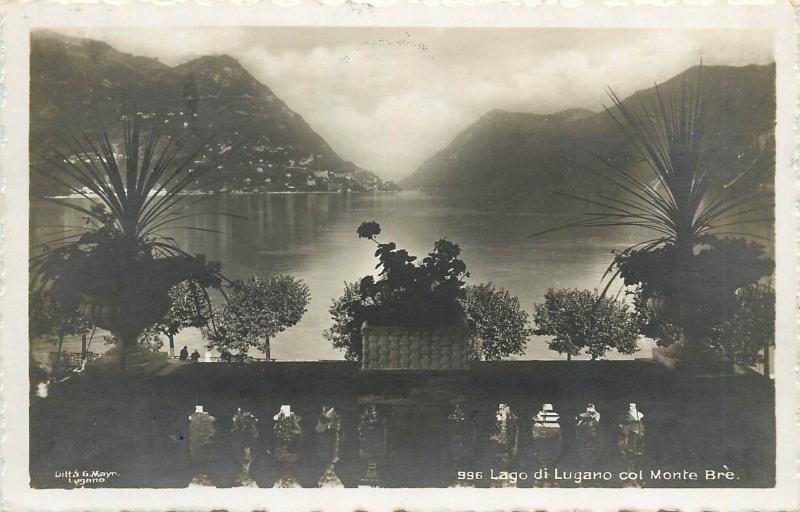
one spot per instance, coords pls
(426, 390)
(265, 168)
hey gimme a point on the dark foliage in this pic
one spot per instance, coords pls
(583, 320)
(499, 326)
(257, 309)
(405, 293)
(749, 329)
(703, 286)
(121, 254)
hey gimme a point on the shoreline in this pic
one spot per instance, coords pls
(271, 192)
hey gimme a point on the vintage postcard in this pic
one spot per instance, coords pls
(361, 257)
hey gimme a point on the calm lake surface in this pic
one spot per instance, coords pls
(313, 236)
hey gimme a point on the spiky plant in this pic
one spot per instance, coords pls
(675, 196)
(129, 197)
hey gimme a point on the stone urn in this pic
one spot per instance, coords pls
(371, 444)
(689, 352)
(126, 315)
(287, 433)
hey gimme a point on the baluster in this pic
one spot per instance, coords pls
(244, 432)
(371, 444)
(546, 439)
(504, 443)
(588, 439)
(329, 437)
(286, 436)
(201, 445)
(461, 444)
(631, 441)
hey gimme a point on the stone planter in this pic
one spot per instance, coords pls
(127, 317)
(688, 353)
(392, 347)
(126, 313)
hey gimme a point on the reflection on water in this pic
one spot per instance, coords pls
(313, 237)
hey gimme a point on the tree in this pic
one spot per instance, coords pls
(188, 308)
(749, 331)
(584, 320)
(55, 311)
(499, 325)
(345, 333)
(257, 309)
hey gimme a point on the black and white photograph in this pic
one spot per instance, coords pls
(382, 257)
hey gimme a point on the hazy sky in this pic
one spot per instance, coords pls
(389, 98)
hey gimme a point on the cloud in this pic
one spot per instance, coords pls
(388, 98)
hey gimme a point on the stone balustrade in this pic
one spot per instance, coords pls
(429, 425)
(503, 444)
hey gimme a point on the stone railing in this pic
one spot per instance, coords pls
(69, 361)
(409, 429)
(325, 434)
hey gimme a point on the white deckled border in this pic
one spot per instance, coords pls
(21, 17)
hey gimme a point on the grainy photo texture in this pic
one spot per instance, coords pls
(401, 257)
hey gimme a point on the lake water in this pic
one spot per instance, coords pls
(313, 236)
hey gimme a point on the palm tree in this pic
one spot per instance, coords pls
(675, 197)
(121, 260)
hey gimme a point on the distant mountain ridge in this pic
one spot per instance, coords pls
(79, 79)
(515, 161)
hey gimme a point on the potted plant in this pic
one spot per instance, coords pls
(120, 262)
(685, 299)
(668, 186)
(410, 317)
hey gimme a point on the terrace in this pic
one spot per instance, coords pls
(139, 426)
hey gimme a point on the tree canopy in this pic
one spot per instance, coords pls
(257, 309)
(583, 320)
(188, 307)
(749, 330)
(345, 333)
(498, 325)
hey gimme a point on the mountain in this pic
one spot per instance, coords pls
(87, 81)
(515, 161)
